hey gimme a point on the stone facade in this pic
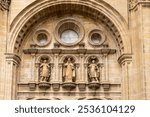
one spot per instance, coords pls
(75, 49)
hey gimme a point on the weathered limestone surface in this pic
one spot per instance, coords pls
(122, 54)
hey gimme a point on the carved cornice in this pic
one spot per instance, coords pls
(71, 51)
(4, 4)
(134, 3)
(124, 58)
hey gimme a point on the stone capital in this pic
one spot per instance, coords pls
(13, 57)
(124, 58)
(4, 4)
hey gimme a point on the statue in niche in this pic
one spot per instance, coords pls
(68, 71)
(93, 71)
(44, 71)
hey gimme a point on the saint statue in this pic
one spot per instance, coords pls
(68, 71)
(93, 71)
(44, 71)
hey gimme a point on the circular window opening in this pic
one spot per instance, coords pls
(69, 32)
(96, 38)
(42, 38)
(69, 36)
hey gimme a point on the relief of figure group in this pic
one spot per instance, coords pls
(69, 70)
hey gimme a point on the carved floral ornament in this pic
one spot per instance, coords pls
(4, 4)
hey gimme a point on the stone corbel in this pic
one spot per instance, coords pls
(106, 85)
(4, 4)
(32, 86)
(56, 86)
(82, 86)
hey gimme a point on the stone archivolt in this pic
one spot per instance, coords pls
(97, 13)
(82, 69)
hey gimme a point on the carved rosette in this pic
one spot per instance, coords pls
(4, 4)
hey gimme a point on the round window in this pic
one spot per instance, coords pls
(96, 37)
(42, 38)
(69, 36)
(69, 32)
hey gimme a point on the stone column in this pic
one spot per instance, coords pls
(12, 67)
(81, 74)
(4, 26)
(106, 78)
(125, 62)
(33, 78)
(56, 69)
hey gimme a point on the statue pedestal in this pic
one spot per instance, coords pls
(69, 85)
(94, 85)
(44, 85)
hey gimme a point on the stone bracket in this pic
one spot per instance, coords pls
(56, 86)
(82, 86)
(106, 85)
(32, 86)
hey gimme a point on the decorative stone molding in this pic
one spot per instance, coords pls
(32, 86)
(71, 51)
(69, 85)
(56, 86)
(106, 85)
(82, 86)
(82, 45)
(13, 57)
(44, 85)
(4, 4)
(134, 3)
(94, 85)
(56, 45)
(124, 58)
(51, 7)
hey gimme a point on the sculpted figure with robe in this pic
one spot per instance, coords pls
(68, 71)
(44, 71)
(93, 71)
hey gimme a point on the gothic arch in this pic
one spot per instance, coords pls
(97, 10)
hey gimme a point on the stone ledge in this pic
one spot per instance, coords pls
(73, 51)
